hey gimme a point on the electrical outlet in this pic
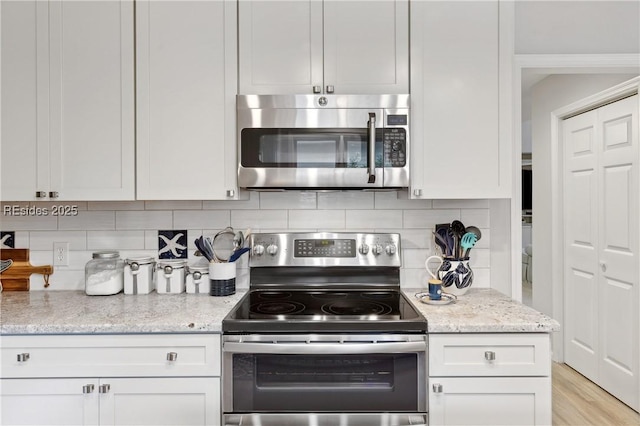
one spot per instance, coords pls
(61, 254)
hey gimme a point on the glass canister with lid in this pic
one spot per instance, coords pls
(171, 276)
(139, 275)
(104, 274)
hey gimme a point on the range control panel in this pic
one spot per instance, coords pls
(325, 249)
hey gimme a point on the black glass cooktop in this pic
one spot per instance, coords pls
(323, 310)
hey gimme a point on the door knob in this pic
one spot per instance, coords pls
(490, 355)
(23, 357)
(437, 388)
(88, 388)
(172, 356)
(104, 388)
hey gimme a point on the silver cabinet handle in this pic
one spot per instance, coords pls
(104, 388)
(330, 89)
(88, 388)
(41, 194)
(417, 192)
(437, 388)
(317, 89)
(23, 357)
(172, 356)
(371, 154)
(490, 355)
(54, 194)
(231, 193)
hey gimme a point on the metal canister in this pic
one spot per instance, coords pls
(139, 274)
(198, 279)
(171, 275)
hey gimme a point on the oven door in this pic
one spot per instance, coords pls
(281, 378)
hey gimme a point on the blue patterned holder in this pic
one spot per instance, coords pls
(456, 276)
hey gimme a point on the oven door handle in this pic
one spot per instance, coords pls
(324, 348)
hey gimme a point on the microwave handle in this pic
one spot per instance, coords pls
(371, 147)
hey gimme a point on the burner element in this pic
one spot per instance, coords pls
(277, 308)
(356, 308)
(269, 295)
(329, 295)
(378, 295)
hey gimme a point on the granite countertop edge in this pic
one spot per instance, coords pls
(72, 312)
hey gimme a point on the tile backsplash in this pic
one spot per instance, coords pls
(132, 227)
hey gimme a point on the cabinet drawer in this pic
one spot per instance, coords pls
(489, 355)
(110, 355)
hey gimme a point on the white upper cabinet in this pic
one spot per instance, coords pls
(315, 46)
(67, 100)
(186, 87)
(460, 70)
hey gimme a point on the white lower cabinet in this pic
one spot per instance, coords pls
(111, 401)
(154, 379)
(490, 379)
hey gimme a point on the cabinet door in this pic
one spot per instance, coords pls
(153, 402)
(280, 45)
(24, 149)
(48, 402)
(366, 47)
(490, 401)
(186, 87)
(91, 99)
(457, 147)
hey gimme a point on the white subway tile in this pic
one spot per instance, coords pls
(485, 240)
(399, 200)
(259, 219)
(372, 219)
(480, 258)
(461, 204)
(411, 238)
(414, 278)
(252, 203)
(60, 280)
(136, 220)
(475, 217)
(77, 259)
(28, 222)
(317, 219)
(21, 239)
(201, 219)
(414, 258)
(288, 200)
(173, 205)
(115, 205)
(89, 220)
(115, 240)
(43, 240)
(355, 200)
(428, 218)
(481, 278)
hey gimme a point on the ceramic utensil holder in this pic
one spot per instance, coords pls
(456, 276)
(222, 277)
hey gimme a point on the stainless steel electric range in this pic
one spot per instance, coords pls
(324, 336)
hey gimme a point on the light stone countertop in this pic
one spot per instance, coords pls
(482, 310)
(73, 312)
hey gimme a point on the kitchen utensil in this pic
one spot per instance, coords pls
(223, 245)
(426, 265)
(16, 278)
(468, 241)
(237, 253)
(441, 243)
(474, 230)
(458, 230)
(442, 230)
(452, 238)
(199, 242)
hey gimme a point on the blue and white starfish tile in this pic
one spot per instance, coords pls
(7, 239)
(172, 244)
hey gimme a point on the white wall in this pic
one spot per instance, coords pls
(547, 27)
(548, 95)
(132, 227)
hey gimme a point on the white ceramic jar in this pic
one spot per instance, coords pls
(171, 275)
(139, 275)
(198, 279)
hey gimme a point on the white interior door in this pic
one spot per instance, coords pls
(602, 301)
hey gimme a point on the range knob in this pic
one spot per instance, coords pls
(364, 249)
(376, 249)
(272, 249)
(258, 250)
(390, 249)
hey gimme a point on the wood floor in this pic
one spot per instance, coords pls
(580, 402)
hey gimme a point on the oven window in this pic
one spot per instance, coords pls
(343, 383)
(307, 148)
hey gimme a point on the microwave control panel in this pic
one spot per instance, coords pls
(395, 147)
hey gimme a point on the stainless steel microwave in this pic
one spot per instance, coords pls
(323, 141)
